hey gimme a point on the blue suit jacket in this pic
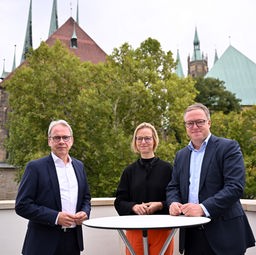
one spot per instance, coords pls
(221, 186)
(38, 200)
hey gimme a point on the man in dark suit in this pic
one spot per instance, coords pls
(54, 196)
(208, 180)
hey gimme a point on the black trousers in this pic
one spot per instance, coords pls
(68, 244)
(196, 242)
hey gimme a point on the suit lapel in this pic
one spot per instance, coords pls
(186, 172)
(208, 155)
(79, 179)
(54, 181)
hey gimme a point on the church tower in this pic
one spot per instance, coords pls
(198, 64)
(54, 19)
(28, 43)
(179, 69)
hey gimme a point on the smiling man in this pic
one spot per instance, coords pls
(208, 180)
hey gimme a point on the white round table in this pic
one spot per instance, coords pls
(144, 223)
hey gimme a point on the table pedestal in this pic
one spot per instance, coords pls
(145, 223)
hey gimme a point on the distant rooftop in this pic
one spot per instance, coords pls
(239, 74)
(86, 50)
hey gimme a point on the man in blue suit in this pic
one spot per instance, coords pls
(54, 196)
(208, 180)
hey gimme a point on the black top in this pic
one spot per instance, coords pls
(145, 181)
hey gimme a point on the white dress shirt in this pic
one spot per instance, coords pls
(67, 183)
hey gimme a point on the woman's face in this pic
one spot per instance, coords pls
(145, 142)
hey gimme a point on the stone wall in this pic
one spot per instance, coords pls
(8, 184)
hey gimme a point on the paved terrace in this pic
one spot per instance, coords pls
(97, 241)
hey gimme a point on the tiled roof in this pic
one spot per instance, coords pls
(87, 49)
(239, 74)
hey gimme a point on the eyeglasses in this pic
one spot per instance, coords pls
(147, 139)
(57, 138)
(199, 123)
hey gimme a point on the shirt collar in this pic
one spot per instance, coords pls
(56, 159)
(203, 145)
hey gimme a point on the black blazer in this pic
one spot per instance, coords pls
(221, 186)
(38, 200)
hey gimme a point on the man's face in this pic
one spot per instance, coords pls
(60, 141)
(197, 126)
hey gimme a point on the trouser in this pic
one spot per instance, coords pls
(68, 244)
(196, 242)
(156, 240)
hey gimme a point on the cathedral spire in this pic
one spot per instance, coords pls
(197, 53)
(54, 19)
(215, 57)
(179, 69)
(77, 13)
(14, 59)
(28, 37)
(198, 64)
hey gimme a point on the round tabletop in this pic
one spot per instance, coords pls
(145, 222)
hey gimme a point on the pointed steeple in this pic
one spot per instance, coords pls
(197, 53)
(54, 19)
(196, 40)
(77, 13)
(14, 59)
(215, 57)
(179, 70)
(28, 37)
(198, 64)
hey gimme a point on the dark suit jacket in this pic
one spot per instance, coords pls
(38, 200)
(221, 186)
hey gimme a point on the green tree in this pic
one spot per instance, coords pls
(103, 103)
(242, 128)
(213, 94)
(131, 87)
(44, 88)
(167, 95)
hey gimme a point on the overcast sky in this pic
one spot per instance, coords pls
(110, 23)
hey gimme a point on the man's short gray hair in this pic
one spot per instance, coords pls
(59, 122)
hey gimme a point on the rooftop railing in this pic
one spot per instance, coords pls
(13, 229)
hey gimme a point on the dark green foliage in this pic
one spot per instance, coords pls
(214, 95)
(104, 103)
